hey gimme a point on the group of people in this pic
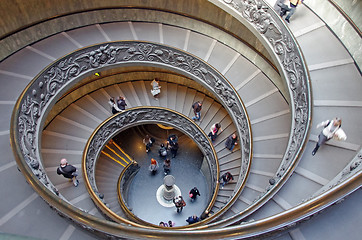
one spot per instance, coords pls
(120, 104)
(117, 106)
(167, 224)
(171, 145)
(180, 202)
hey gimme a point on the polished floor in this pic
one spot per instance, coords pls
(185, 167)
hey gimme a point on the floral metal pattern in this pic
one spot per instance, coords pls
(146, 115)
(47, 87)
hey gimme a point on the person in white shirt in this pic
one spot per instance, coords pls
(156, 88)
(214, 130)
(332, 129)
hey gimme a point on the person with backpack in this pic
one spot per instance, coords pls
(332, 129)
(179, 203)
(162, 151)
(68, 171)
(197, 106)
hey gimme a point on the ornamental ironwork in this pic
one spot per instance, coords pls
(47, 87)
(140, 116)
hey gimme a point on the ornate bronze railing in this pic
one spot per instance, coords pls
(41, 94)
(270, 29)
(140, 116)
(46, 88)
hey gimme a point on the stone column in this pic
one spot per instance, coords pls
(168, 190)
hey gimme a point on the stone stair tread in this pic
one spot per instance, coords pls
(146, 31)
(174, 36)
(117, 31)
(55, 142)
(255, 87)
(211, 114)
(271, 104)
(327, 49)
(181, 97)
(163, 99)
(140, 89)
(199, 44)
(272, 126)
(171, 95)
(86, 36)
(189, 100)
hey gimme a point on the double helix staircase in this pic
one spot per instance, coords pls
(330, 65)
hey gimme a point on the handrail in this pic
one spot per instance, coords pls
(35, 100)
(133, 167)
(139, 116)
(345, 15)
(43, 91)
(268, 27)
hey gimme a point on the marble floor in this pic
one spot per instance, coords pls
(185, 167)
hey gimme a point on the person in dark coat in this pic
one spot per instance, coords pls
(121, 103)
(231, 141)
(172, 139)
(194, 193)
(204, 215)
(167, 166)
(68, 171)
(193, 219)
(226, 178)
(174, 149)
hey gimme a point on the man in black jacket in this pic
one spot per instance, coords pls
(68, 171)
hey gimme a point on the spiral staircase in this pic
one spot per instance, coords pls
(261, 88)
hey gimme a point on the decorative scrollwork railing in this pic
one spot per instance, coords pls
(262, 20)
(31, 109)
(140, 116)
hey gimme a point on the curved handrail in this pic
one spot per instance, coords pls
(43, 91)
(345, 15)
(259, 18)
(139, 116)
(270, 29)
